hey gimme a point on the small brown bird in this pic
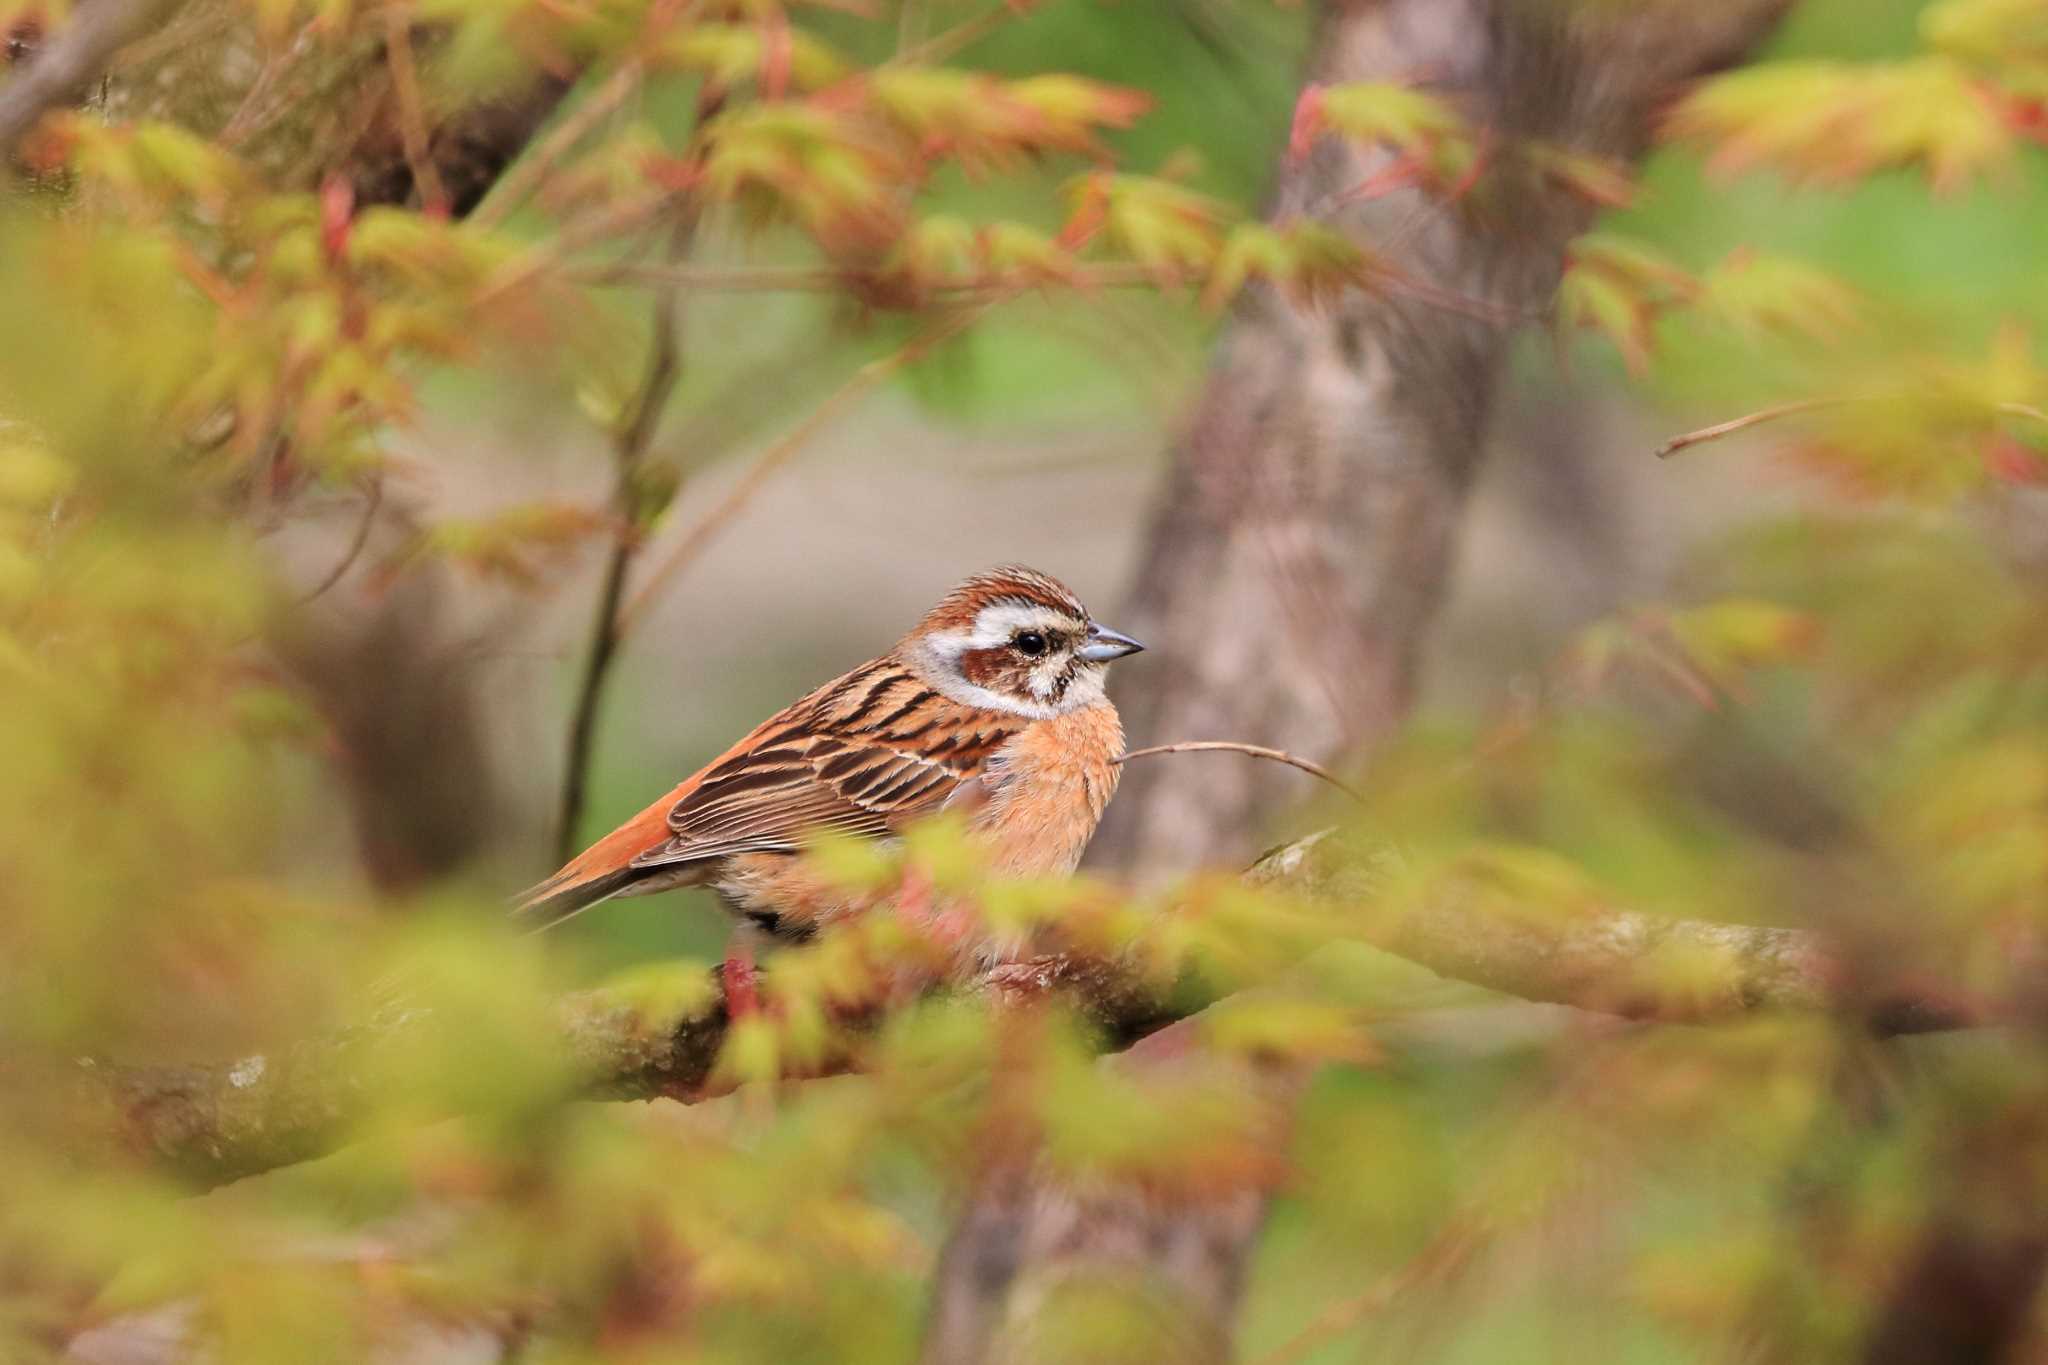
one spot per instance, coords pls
(992, 706)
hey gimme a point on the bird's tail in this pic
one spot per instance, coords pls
(566, 894)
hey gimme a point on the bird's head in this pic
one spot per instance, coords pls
(1015, 640)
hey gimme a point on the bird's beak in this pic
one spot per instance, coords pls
(1104, 644)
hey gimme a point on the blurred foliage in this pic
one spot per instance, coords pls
(1840, 722)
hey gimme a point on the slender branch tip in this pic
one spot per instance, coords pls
(1196, 746)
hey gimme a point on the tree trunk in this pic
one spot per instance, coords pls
(1301, 546)
(1300, 550)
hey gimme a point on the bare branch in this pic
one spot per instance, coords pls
(1449, 1252)
(1733, 425)
(1196, 746)
(373, 499)
(609, 221)
(526, 175)
(998, 285)
(412, 119)
(944, 46)
(1686, 439)
(629, 445)
(793, 279)
(863, 381)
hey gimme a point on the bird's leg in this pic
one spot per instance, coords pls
(742, 994)
(743, 1004)
(914, 896)
(947, 922)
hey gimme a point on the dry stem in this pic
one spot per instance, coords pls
(412, 122)
(373, 500)
(700, 534)
(517, 184)
(664, 366)
(1194, 746)
(1792, 409)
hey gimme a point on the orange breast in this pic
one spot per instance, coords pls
(1049, 787)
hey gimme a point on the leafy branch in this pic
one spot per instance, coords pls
(219, 1123)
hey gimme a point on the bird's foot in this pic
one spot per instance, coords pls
(742, 992)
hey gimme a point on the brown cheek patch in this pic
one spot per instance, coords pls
(991, 668)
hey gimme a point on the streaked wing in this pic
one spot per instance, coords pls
(862, 756)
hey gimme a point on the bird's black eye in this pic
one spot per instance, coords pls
(1030, 643)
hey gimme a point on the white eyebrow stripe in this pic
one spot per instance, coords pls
(999, 622)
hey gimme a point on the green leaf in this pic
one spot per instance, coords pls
(1833, 123)
(1168, 228)
(2006, 39)
(1420, 128)
(728, 54)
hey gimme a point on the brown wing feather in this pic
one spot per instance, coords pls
(605, 868)
(863, 754)
(859, 763)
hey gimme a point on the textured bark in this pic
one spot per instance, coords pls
(300, 110)
(1613, 960)
(54, 73)
(1301, 546)
(1031, 1248)
(215, 1123)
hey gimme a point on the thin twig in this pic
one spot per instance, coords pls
(516, 274)
(71, 60)
(769, 279)
(1743, 423)
(941, 46)
(774, 279)
(1797, 406)
(910, 15)
(1444, 1256)
(519, 183)
(189, 32)
(412, 119)
(863, 381)
(1451, 301)
(664, 366)
(1194, 746)
(242, 122)
(372, 500)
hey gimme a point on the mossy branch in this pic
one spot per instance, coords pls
(215, 1123)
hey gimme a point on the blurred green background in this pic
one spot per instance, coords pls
(1636, 1189)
